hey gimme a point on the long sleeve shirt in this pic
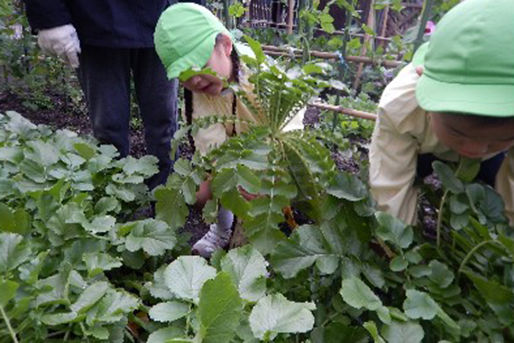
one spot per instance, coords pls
(403, 131)
(214, 135)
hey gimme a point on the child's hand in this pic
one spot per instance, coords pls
(204, 193)
(246, 195)
(205, 83)
(419, 70)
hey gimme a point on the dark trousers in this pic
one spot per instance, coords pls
(488, 168)
(104, 74)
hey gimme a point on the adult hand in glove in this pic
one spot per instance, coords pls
(61, 41)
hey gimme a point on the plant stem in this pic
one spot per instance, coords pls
(473, 251)
(427, 7)
(8, 324)
(440, 218)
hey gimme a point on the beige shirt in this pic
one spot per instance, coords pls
(206, 105)
(403, 131)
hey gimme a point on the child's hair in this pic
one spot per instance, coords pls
(188, 95)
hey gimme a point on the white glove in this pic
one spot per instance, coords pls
(61, 41)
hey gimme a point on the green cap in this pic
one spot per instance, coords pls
(185, 36)
(469, 61)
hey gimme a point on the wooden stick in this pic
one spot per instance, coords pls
(370, 23)
(343, 110)
(336, 32)
(290, 14)
(384, 23)
(330, 55)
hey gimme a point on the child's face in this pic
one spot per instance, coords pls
(221, 63)
(470, 139)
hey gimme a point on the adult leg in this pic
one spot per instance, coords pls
(104, 75)
(157, 99)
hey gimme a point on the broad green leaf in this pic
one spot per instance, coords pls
(219, 310)
(357, 294)
(347, 186)
(169, 311)
(447, 177)
(257, 49)
(100, 224)
(275, 314)
(468, 168)
(114, 306)
(394, 230)
(224, 181)
(398, 264)
(397, 332)
(52, 289)
(164, 335)
(247, 267)
(170, 207)
(373, 331)
(303, 248)
(58, 318)
(151, 235)
(186, 275)
(13, 251)
(7, 291)
(158, 287)
(85, 150)
(17, 221)
(90, 296)
(146, 165)
(96, 263)
(440, 274)
(419, 305)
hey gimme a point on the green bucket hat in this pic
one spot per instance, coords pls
(185, 36)
(469, 61)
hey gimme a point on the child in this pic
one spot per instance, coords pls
(461, 105)
(188, 35)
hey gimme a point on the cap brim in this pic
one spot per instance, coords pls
(486, 100)
(198, 57)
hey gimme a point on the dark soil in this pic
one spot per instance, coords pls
(60, 117)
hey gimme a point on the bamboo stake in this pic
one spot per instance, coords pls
(343, 110)
(384, 23)
(275, 51)
(370, 23)
(336, 32)
(290, 15)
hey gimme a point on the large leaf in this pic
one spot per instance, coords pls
(16, 221)
(247, 267)
(394, 230)
(357, 294)
(447, 177)
(419, 305)
(275, 314)
(13, 251)
(219, 310)
(7, 291)
(169, 311)
(398, 332)
(153, 236)
(170, 207)
(306, 246)
(90, 296)
(186, 275)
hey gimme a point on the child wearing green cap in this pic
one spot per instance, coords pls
(461, 103)
(190, 36)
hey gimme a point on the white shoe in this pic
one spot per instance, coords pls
(215, 238)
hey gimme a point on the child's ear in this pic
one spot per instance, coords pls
(226, 43)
